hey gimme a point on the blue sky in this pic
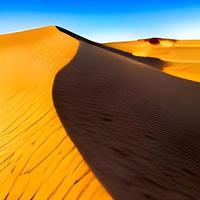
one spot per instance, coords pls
(105, 21)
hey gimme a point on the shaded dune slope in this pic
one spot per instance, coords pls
(179, 57)
(138, 128)
(37, 158)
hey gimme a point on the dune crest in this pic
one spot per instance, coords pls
(37, 158)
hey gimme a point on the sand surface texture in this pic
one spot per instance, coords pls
(37, 158)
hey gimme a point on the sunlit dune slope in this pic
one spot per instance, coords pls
(182, 56)
(37, 158)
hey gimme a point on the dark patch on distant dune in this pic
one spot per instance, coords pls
(152, 62)
(137, 128)
(156, 41)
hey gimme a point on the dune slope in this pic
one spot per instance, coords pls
(180, 57)
(37, 158)
(137, 127)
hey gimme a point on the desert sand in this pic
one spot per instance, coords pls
(37, 158)
(181, 57)
(137, 127)
(81, 120)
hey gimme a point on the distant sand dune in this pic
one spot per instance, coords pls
(178, 54)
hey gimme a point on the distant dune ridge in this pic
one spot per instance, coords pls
(180, 57)
(82, 120)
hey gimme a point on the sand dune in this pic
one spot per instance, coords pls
(181, 56)
(138, 128)
(65, 101)
(37, 158)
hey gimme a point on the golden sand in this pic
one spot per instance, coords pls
(37, 158)
(182, 56)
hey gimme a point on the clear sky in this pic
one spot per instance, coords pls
(106, 20)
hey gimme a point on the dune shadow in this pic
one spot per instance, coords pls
(137, 128)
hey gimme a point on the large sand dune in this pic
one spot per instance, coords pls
(180, 57)
(37, 158)
(66, 101)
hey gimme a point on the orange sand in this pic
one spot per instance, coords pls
(182, 56)
(37, 158)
